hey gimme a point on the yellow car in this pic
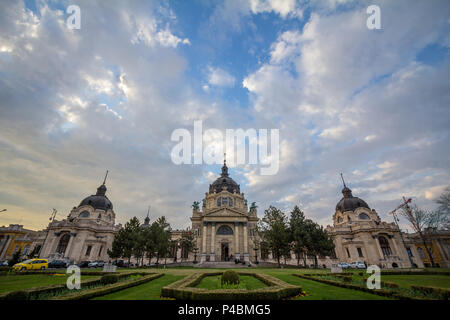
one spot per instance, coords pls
(31, 264)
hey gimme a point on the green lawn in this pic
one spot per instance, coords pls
(147, 291)
(429, 280)
(152, 289)
(320, 291)
(13, 282)
(246, 282)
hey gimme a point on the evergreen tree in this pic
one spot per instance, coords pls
(276, 232)
(187, 242)
(298, 235)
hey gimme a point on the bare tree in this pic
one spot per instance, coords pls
(419, 220)
(440, 218)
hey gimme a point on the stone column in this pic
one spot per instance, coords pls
(69, 246)
(203, 258)
(212, 257)
(377, 243)
(6, 246)
(394, 244)
(236, 240)
(246, 258)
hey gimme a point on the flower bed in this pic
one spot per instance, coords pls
(38, 293)
(393, 292)
(107, 289)
(184, 289)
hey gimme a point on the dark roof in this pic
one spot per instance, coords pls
(99, 200)
(349, 202)
(224, 181)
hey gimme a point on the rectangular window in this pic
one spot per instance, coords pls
(88, 250)
(348, 252)
(360, 254)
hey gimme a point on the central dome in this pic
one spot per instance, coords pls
(99, 200)
(224, 181)
(349, 202)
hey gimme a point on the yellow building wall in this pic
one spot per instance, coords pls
(437, 257)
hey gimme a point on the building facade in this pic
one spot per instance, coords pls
(85, 235)
(360, 235)
(15, 238)
(438, 241)
(224, 227)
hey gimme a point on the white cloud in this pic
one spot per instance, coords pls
(219, 77)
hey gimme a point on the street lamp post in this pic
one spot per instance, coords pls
(195, 255)
(52, 217)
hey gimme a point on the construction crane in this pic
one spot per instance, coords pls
(396, 220)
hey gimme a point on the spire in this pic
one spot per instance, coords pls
(224, 168)
(102, 189)
(147, 219)
(346, 191)
(342, 177)
(104, 181)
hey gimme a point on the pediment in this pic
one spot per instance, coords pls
(225, 212)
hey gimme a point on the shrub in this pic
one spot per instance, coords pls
(109, 278)
(183, 289)
(442, 293)
(229, 277)
(389, 284)
(16, 295)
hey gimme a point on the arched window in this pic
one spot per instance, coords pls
(219, 202)
(108, 217)
(363, 216)
(84, 214)
(230, 202)
(339, 219)
(63, 242)
(384, 244)
(224, 230)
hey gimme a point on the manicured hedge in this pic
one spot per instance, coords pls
(443, 293)
(184, 289)
(34, 293)
(380, 292)
(101, 291)
(229, 277)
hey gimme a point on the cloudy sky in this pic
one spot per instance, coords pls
(372, 104)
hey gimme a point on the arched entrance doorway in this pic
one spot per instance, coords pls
(62, 245)
(224, 252)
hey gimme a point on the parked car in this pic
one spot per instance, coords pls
(83, 264)
(96, 264)
(4, 263)
(357, 265)
(343, 265)
(58, 264)
(31, 264)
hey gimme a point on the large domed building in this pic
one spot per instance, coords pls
(224, 226)
(86, 234)
(360, 235)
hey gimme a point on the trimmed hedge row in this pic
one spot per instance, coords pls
(107, 289)
(36, 292)
(52, 272)
(184, 289)
(443, 293)
(380, 292)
